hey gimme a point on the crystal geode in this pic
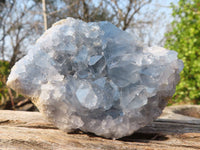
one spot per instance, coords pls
(96, 78)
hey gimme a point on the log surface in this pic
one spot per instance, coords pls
(178, 128)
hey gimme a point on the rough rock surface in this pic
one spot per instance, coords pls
(96, 78)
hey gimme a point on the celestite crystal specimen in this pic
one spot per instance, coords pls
(96, 78)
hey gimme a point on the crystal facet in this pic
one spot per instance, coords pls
(96, 78)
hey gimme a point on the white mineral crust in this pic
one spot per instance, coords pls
(96, 78)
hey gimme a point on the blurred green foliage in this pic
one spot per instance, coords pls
(4, 72)
(8, 97)
(185, 39)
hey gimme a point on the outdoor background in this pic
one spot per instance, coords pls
(173, 24)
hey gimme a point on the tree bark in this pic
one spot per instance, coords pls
(44, 14)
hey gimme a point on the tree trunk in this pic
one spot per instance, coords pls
(44, 14)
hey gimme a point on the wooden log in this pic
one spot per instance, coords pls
(30, 130)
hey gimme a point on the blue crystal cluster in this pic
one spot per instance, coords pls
(96, 78)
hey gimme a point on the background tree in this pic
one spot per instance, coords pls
(127, 12)
(185, 39)
(17, 32)
(17, 29)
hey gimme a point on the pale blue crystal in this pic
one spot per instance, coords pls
(96, 78)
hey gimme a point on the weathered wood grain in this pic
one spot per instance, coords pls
(30, 130)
